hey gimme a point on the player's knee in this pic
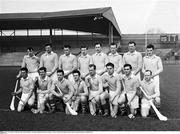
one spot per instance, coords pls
(157, 101)
(83, 98)
(144, 112)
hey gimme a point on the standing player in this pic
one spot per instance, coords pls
(111, 82)
(153, 63)
(115, 58)
(26, 87)
(133, 58)
(68, 63)
(65, 86)
(49, 60)
(130, 83)
(149, 86)
(81, 92)
(83, 62)
(99, 59)
(31, 62)
(94, 84)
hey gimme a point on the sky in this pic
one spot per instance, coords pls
(133, 16)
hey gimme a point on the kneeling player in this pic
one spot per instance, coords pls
(130, 84)
(26, 87)
(94, 83)
(149, 87)
(81, 92)
(64, 87)
(111, 81)
(43, 84)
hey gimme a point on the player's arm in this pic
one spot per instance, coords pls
(118, 87)
(120, 64)
(100, 85)
(139, 64)
(55, 65)
(41, 62)
(143, 66)
(160, 67)
(71, 90)
(157, 93)
(60, 62)
(85, 93)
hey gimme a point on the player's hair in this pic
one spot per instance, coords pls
(150, 46)
(24, 69)
(132, 42)
(84, 46)
(98, 43)
(128, 65)
(92, 65)
(42, 68)
(149, 71)
(60, 71)
(30, 49)
(48, 44)
(110, 64)
(67, 46)
(113, 43)
(76, 71)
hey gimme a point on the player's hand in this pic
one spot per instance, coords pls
(18, 76)
(65, 99)
(13, 93)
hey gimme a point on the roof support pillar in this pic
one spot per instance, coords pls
(50, 37)
(110, 33)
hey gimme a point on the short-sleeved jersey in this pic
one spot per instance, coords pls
(131, 83)
(95, 82)
(31, 63)
(83, 64)
(149, 87)
(50, 61)
(113, 81)
(100, 60)
(67, 63)
(27, 85)
(116, 59)
(152, 63)
(134, 59)
(64, 85)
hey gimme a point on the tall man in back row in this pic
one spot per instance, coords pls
(99, 59)
(154, 64)
(68, 63)
(133, 58)
(49, 60)
(115, 58)
(31, 62)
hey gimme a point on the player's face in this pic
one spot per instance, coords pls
(60, 76)
(92, 71)
(48, 49)
(149, 51)
(127, 70)
(113, 48)
(98, 48)
(30, 53)
(66, 51)
(76, 76)
(131, 47)
(24, 74)
(110, 70)
(42, 73)
(147, 76)
(83, 51)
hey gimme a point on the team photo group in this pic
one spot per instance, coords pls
(107, 85)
